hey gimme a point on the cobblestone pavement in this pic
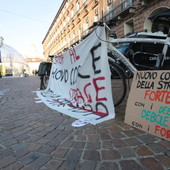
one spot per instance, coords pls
(32, 136)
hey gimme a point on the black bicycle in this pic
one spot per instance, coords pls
(44, 73)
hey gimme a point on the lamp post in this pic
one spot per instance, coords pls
(1, 44)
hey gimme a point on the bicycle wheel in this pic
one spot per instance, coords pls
(45, 80)
(118, 83)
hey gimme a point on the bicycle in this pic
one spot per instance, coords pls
(121, 67)
(44, 73)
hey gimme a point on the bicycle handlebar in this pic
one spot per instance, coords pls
(99, 23)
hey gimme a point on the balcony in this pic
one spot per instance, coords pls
(121, 10)
(94, 3)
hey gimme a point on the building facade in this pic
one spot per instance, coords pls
(72, 21)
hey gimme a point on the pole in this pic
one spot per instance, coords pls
(1, 44)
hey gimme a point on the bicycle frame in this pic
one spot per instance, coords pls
(120, 56)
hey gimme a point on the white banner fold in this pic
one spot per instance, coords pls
(80, 84)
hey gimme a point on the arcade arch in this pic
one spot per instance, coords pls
(158, 20)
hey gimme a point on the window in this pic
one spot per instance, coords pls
(74, 34)
(95, 19)
(87, 22)
(110, 9)
(110, 6)
(109, 1)
(79, 32)
(72, 13)
(85, 2)
(96, 11)
(128, 27)
(78, 5)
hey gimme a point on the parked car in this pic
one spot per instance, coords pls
(144, 54)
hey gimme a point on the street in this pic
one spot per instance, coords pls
(33, 136)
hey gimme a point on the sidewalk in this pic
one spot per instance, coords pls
(32, 136)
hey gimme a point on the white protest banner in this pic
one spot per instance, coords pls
(148, 106)
(80, 81)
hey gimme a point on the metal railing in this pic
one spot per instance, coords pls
(118, 10)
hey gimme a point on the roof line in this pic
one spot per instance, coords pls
(55, 18)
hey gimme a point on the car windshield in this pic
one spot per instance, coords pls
(122, 47)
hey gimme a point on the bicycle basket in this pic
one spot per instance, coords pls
(43, 68)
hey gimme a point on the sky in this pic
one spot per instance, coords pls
(26, 22)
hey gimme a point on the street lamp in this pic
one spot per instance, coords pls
(1, 41)
(1, 44)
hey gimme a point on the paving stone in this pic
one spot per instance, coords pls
(81, 138)
(43, 133)
(127, 152)
(14, 166)
(108, 166)
(168, 153)
(114, 129)
(79, 145)
(130, 165)
(147, 138)
(143, 151)
(10, 142)
(86, 165)
(132, 142)
(28, 158)
(19, 146)
(119, 143)
(151, 164)
(68, 165)
(5, 152)
(117, 135)
(60, 152)
(41, 160)
(165, 143)
(74, 154)
(89, 131)
(91, 155)
(30, 167)
(157, 148)
(67, 143)
(7, 161)
(107, 144)
(129, 133)
(22, 137)
(165, 160)
(110, 155)
(124, 126)
(53, 164)
(33, 138)
(34, 147)
(43, 141)
(6, 137)
(51, 135)
(105, 136)
(58, 139)
(138, 131)
(20, 153)
(79, 132)
(93, 145)
(93, 137)
(46, 149)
